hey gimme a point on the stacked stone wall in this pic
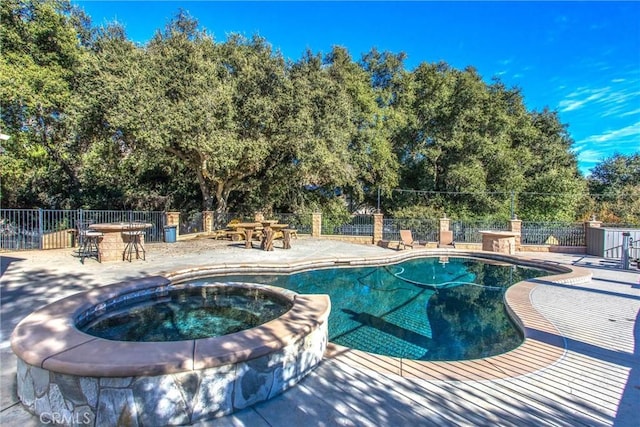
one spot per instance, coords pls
(172, 399)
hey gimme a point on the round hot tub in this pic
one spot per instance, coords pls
(186, 313)
(158, 352)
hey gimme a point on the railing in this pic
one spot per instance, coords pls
(23, 229)
(422, 230)
(469, 231)
(301, 222)
(552, 233)
(221, 219)
(359, 225)
(191, 223)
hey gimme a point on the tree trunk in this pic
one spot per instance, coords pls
(207, 200)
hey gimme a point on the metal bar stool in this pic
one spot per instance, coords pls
(88, 242)
(133, 237)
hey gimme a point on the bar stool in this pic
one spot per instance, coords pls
(134, 243)
(88, 242)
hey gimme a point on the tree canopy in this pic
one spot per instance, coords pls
(188, 122)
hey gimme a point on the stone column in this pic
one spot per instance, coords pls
(445, 236)
(207, 221)
(515, 225)
(589, 238)
(592, 223)
(378, 221)
(316, 224)
(173, 218)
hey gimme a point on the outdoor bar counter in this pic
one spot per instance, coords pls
(113, 242)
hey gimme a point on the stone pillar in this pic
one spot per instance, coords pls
(316, 224)
(515, 225)
(207, 221)
(589, 238)
(592, 223)
(445, 236)
(173, 218)
(258, 217)
(378, 221)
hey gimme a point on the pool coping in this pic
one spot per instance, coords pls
(48, 338)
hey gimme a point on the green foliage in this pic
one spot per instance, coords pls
(186, 122)
(38, 69)
(418, 212)
(615, 186)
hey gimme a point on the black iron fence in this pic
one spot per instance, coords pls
(358, 225)
(422, 229)
(469, 231)
(552, 233)
(191, 222)
(300, 222)
(23, 229)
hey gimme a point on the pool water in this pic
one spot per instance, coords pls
(425, 309)
(188, 313)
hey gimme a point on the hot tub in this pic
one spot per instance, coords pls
(68, 375)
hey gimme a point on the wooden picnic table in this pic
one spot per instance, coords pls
(269, 231)
(248, 229)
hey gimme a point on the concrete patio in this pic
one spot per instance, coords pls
(596, 382)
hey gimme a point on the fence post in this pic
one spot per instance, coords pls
(173, 218)
(40, 229)
(316, 224)
(378, 221)
(515, 225)
(589, 238)
(592, 223)
(207, 221)
(445, 236)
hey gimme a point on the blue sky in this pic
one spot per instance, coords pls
(579, 58)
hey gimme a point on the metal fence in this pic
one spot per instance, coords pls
(358, 225)
(23, 229)
(191, 223)
(301, 222)
(422, 229)
(553, 233)
(469, 231)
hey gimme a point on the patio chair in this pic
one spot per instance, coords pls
(406, 239)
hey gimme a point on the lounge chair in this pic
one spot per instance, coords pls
(407, 240)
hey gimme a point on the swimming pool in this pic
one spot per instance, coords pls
(433, 308)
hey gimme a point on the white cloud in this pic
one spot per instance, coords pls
(630, 113)
(604, 101)
(595, 148)
(613, 137)
(587, 96)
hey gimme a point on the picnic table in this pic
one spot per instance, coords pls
(248, 228)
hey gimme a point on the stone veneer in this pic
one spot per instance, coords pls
(173, 399)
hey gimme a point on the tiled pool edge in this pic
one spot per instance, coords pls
(542, 347)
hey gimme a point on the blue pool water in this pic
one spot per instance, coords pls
(424, 309)
(187, 314)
